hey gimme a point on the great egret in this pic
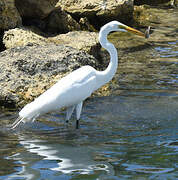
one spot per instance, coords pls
(73, 89)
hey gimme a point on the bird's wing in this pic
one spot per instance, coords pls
(76, 78)
(70, 90)
(78, 85)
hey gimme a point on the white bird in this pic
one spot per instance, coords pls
(73, 89)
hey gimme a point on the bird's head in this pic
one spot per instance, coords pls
(117, 26)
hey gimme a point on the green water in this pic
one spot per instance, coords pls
(131, 134)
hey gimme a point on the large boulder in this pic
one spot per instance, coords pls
(59, 21)
(9, 16)
(35, 8)
(99, 11)
(81, 40)
(28, 71)
(45, 15)
(21, 37)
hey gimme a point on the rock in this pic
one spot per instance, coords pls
(9, 16)
(28, 71)
(99, 11)
(81, 40)
(35, 9)
(60, 22)
(175, 2)
(86, 41)
(143, 15)
(21, 37)
(85, 25)
(44, 15)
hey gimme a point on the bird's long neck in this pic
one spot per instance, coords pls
(106, 75)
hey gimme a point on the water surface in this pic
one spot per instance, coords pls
(130, 134)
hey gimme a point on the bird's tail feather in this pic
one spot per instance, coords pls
(17, 122)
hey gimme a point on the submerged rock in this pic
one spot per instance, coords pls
(28, 71)
(143, 15)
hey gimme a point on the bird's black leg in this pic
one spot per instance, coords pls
(77, 124)
(78, 112)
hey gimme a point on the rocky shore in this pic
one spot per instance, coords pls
(41, 41)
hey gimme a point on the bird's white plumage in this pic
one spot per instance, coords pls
(74, 88)
(68, 91)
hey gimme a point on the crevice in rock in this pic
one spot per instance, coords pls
(95, 21)
(7, 104)
(40, 24)
(150, 2)
(2, 46)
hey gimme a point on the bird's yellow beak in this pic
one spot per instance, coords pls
(132, 30)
